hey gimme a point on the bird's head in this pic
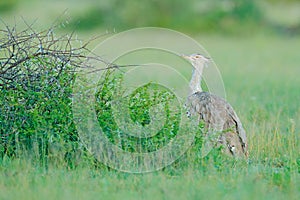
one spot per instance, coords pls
(197, 60)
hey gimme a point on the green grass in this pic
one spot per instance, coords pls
(261, 76)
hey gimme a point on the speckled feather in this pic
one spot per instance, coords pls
(218, 115)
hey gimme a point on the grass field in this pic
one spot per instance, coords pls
(261, 76)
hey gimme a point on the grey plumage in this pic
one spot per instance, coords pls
(218, 115)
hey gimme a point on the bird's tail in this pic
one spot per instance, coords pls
(241, 132)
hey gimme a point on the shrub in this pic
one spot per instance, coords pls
(36, 119)
(36, 78)
(139, 103)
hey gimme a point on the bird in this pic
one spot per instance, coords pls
(219, 118)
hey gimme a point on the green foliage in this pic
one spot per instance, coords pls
(139, 104)
(36, 113)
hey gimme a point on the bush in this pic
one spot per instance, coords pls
(36, 118)
(36, 100)
(36, 78)
(139, 104)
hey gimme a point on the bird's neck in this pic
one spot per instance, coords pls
(195, 83)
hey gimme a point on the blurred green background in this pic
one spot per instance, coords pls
(256, 45)
(193, 16)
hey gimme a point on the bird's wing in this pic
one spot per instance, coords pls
(241, 131)
(214, 111)
(209, 108)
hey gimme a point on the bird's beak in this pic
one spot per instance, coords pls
(184, 56)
